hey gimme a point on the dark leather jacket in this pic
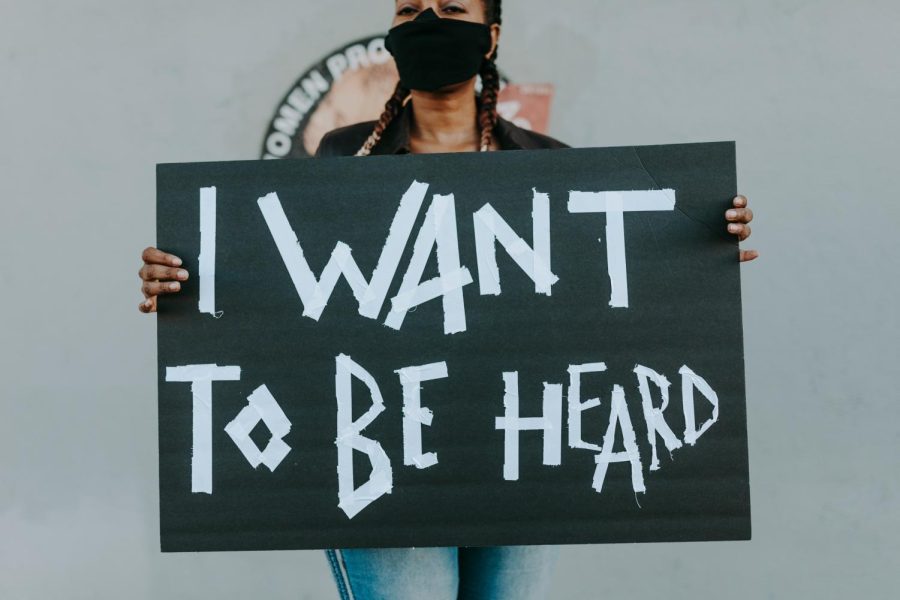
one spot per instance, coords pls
(346, 141)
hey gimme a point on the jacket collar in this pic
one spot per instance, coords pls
(395, 139)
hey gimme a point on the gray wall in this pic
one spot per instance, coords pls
(93, 93)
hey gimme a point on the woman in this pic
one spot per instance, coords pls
(440, 46)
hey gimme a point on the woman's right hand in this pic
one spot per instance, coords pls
(159, 275)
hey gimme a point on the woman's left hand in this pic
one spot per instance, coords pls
(739, 219)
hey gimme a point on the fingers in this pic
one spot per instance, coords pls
(740, 230)
(152, 272)
(739, 215)
(748, 255)
(159, 265)
(151, 289)
(738, 219)
(155, 256)
(148, 305)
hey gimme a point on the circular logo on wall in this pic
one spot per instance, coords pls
(352, 85)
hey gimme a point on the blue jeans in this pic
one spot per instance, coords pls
(501, 573)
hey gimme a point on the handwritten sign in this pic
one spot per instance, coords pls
(513, 348)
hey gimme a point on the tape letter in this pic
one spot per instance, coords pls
(615, 205)
(511, 423)
(207, 258)
(201, 377)
(350, 498)
(576, 406)
(439, 229)
(315, 293)
(619, 417)
(690, 381)
(415, 415)
(656, 422)
(490, 228)
(261, 406)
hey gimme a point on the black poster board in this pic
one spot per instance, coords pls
(598, 229)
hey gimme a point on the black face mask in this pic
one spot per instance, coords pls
(432, 53)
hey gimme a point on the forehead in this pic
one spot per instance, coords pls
(466, 10)
(439, 3)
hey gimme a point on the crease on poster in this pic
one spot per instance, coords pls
(712, 227)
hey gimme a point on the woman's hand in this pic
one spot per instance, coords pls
(739, 219)
(159, 275)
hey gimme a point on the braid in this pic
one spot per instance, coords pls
(490, 82)
(487, 110)
(391, 110)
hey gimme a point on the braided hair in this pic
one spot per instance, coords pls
(490, 82)
(487, 105)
